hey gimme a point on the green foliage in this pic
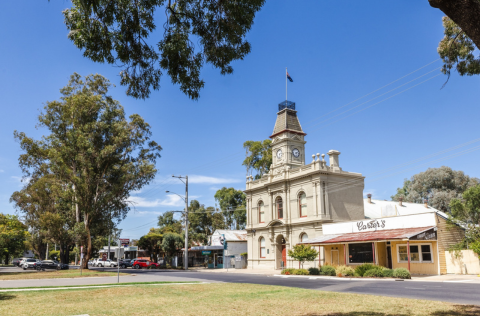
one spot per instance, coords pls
(439, 185)
(93, 153)
(344, 271)
(475, 246)
(327, 270)
(401, 273)
(13, 237)
(300, 272)
(195, 32)
(203, 221)
(303, 253)
(259, 156)
(466, 212)
(244, 254)
(387, 273)
(54, 254)
(232, 203)
(171, 243)
(361, 269)
(457, 50)
(168, 224)
(314, 271)
(152, 242)
(288, 271)
(375, 272)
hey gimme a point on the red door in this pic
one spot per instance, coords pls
(284, 256)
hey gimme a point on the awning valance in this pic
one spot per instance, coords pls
(417, 233)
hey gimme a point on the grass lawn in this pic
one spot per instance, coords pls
(217, 299)
(55, 274)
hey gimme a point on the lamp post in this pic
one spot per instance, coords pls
(185, 198)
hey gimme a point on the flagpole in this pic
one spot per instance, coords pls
(286, 86)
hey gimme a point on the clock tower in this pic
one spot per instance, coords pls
(288, 144)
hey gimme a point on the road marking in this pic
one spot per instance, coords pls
(458, 281)
(415, 288)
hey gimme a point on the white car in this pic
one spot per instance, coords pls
(29, 263)
(107, 263)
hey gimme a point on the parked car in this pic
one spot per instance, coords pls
(29, 263)
(142, 263)
(18, 262)
(51, 264)
(107, 263)
(126, 263)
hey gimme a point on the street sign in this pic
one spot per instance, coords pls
(81, 252)
(124, 241)
(206, 252)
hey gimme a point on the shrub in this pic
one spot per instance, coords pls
(327, 270)
(342, 271)
(300, 272)
(287, 271)
(375, 272)
(361, 269)
(314, 271)
(401, 273)
(388, 273)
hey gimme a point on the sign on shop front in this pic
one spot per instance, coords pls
(375, 224)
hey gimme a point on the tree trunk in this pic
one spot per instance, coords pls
(7, 258)
(465, 13)
(89, 252)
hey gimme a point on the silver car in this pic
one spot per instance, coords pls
(29, 263)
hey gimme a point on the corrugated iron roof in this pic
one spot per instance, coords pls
(386, 234)
(320, 239)
(232, 235)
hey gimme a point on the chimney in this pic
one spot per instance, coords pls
(334, 164)
(425, 202)
(400, 200)
(369, 196)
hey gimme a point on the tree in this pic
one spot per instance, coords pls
(302, 253)
(457, 50)
(171, 243)
(233, 205)
(117, 32)
(95, 153)
(438, 185)
(168, 224)
(203, 222)
(259, 156)
(152, 242)
(466, 212)
(13, 237)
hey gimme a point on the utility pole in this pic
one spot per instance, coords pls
(185, 198)
(108, 257)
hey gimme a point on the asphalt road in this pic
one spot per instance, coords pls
(463, 293)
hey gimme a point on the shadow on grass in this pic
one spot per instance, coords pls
(4, 297)
(458, 310)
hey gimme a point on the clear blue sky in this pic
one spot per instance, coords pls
(336, 52)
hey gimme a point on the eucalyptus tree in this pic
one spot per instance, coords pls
(438, 185)
(99, 154)
(233, 205)
(119, 31)
(13, 237)
(258, 156)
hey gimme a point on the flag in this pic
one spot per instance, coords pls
(289, 78)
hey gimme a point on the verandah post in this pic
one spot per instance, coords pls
(408, 254)
(345, 254)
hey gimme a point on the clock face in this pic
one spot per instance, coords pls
(296, 153)
(279, 154)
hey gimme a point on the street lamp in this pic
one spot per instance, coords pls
(185, 198)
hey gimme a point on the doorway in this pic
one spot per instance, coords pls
(335, 258)
(284, 257)
(389, 257)
(281, 253)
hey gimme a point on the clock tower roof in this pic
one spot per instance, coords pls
(287, 120)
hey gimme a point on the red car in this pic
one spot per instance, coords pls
(142, 263)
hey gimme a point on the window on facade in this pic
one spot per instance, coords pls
(360, 253)
(279, 208)
(261, 212)
(263, 251)
(418, 253)
(304, 237)
(426, 253)
(302, 200)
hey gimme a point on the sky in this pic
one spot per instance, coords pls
(366, 82)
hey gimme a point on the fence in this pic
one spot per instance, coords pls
(462, 262)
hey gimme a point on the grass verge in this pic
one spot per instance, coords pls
(218, 299)
(56, 274)
(98, 285)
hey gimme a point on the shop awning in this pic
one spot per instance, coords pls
(200, 248)
(417, 233)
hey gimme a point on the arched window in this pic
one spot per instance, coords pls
(302, 204)
(304, 237)
(279, 208)
(263, 250)
(261, 212)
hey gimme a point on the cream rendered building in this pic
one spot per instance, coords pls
(290, 203)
